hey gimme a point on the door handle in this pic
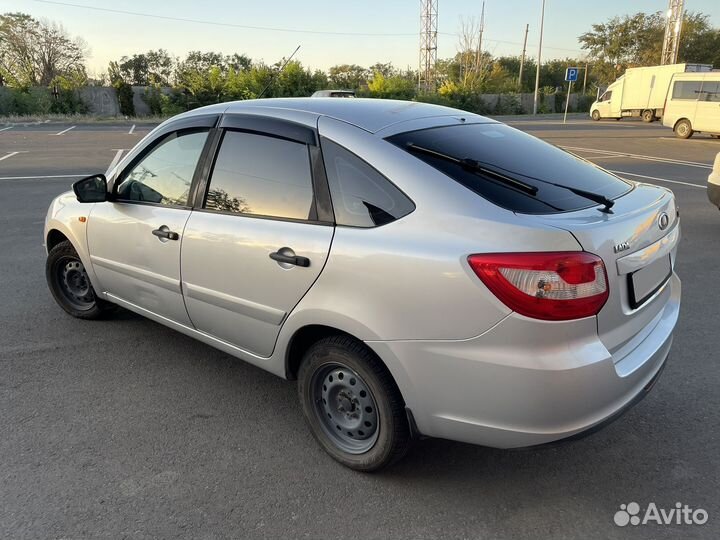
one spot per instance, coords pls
(290, 259)
(163, 232)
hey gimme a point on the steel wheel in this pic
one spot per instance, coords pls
(596, 115)
(683, 129)
(74, 283)
(345, 408)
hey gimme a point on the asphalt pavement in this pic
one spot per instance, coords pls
(124, 428)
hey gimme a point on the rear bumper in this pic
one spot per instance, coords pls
(526, 382)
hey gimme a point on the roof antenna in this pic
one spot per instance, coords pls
(272, 77)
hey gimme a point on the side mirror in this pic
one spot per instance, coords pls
(91, 189)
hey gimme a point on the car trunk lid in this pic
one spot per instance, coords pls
(637, 242)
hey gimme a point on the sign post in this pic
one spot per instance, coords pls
(571, 75)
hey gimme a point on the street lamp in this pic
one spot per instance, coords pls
(537, 71)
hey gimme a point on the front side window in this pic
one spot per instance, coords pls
(361, 196)
(164, 176)
(606, 96)
(686, 89)
(260, 175)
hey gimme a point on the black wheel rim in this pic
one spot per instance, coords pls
(345, 408)
(74, 284)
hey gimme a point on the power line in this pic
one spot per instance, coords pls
(218, 23)
(269, 28)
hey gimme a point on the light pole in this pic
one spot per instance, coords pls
(537, 71)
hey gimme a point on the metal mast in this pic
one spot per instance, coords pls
(671, 43)
(428, 44)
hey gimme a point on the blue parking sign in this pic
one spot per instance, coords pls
(571, 74)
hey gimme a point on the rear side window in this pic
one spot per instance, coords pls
(517, 155)
(265, 176)
(711, 90)
(361, 196)
(686, 89)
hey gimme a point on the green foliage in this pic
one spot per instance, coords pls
(125, 98)
(636, 40)
(391, 86)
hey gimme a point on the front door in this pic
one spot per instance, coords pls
(707, 114)
(135, 239)
(256, 246)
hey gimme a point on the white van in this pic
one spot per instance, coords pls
(693, 104)
(640, 92)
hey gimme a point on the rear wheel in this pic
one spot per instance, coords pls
(352, 405)
(70, 285)
(648, 115)
(683, 129)
(595, 115)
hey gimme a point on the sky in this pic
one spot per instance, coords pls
(111, 35)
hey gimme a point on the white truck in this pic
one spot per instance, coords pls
(640, 92)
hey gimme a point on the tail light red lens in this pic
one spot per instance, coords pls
(553, 286)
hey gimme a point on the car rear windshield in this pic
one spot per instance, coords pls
(513, 154)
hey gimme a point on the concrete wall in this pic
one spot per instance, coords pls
(101, 100)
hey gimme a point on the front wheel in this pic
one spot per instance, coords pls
(352, 404)
(70, 285)
(595, 115)
(683, 129)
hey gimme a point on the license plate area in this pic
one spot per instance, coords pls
(643, 283)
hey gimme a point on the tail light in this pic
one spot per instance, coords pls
(553, 286)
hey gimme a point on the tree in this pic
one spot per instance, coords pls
(636, 40)
(34, 53)
(150, 68)
(347, 76)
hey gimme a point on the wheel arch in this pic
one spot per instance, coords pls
(54, 237)
(680, 120)
(303, 338)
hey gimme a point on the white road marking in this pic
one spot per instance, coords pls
(6, 128)
(659, 179)
(639, 156)
(118, 154)
(44, 177)
(132, 129)
(65, 130)
(11, 154)
(693, 141)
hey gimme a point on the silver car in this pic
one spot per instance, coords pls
(418, 269)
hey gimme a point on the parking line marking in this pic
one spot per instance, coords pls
(116, 158)
(43, 177)
(659, 179)
(132, 129)
(65, 130)
(11, 154)
(640, 156)
(6, 128)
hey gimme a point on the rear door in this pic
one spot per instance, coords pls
(707, 115)
(260, 232)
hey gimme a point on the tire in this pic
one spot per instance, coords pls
(70, 284)
(595, 115)
(648, 116)
(683, 129)
(352, 404)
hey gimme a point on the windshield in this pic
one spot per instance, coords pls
(516, 154)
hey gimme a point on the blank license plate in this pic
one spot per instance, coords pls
(646, 281)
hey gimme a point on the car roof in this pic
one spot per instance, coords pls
(369, 114)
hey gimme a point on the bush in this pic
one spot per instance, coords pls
(125, 98)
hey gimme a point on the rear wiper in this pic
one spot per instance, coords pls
(477, 166)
